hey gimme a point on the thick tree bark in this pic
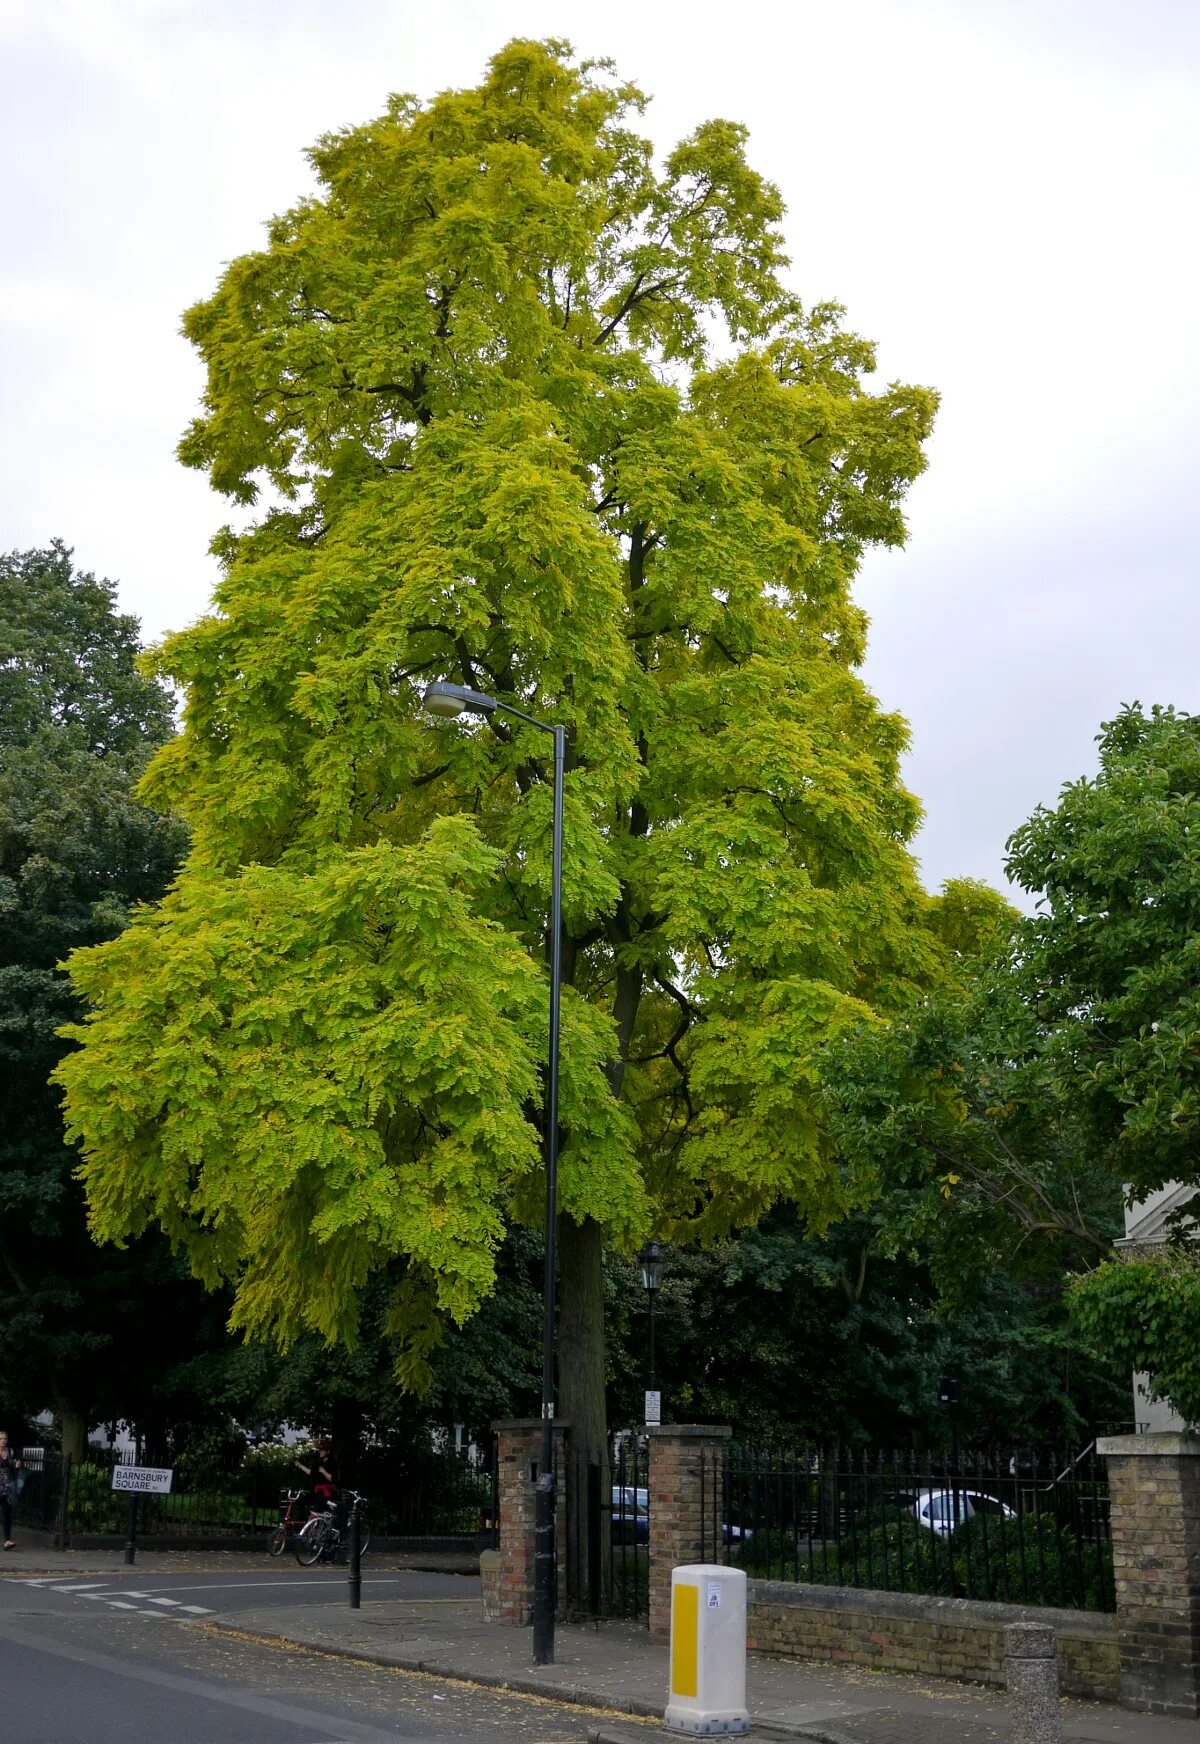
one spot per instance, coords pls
(74, 1429)
(346, 1429)
(581, 1398)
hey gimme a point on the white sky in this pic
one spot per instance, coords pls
(1004, 193)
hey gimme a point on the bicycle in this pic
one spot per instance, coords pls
(294, 1510)
(320, 1537)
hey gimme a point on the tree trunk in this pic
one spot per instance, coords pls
(74, 1428)
(346, 1430)
(581, 1396)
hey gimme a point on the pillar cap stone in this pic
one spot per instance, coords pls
(1167, 1445)
(691, 1431)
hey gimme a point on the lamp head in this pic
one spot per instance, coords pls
(450, 700)
(651, 1262)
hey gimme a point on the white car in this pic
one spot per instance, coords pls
(943, 1510)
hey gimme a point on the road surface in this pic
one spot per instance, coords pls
(127, 1659)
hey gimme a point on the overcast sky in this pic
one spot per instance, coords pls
(1004, 193)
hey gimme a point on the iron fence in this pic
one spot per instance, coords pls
(448, 1495)
(604, 1529)
(1022, 1528)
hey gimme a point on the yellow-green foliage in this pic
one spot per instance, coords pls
(545, 420)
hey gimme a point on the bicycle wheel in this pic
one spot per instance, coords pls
(277, 1542)
(364, 1532)
(310, 1541)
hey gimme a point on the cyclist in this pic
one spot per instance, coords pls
(321, 1473)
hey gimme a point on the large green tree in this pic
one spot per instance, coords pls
(528, 411)
(1112, 955)
(82, 1331)
(1063, 1074)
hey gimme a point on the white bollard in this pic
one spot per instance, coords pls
(708, 1650)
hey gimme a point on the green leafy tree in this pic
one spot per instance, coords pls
(81, 1330)
(1063, 1074)
(845, 1340)
(1112, 955)
(533, 415)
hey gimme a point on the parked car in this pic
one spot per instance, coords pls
(631, 1518)
(945, 1510)
(630, 1514)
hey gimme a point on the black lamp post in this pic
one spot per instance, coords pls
(452, 700)
(651, 1262)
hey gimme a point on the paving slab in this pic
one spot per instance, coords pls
(617, 1669)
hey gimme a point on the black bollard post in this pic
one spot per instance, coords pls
(355, 1557)
(131, 1547)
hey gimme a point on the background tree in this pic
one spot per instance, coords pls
(83, 1331)
(1063, 1075)
(538, 417)
(845, 1340)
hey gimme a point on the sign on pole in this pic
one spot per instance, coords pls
(143, 1480)
(653, 1410)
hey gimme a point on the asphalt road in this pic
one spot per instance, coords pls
(90, 1661)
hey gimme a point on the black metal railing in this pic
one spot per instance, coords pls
(451, 1494)
(1019, 1527)
(604, 1529)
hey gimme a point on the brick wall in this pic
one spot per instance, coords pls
(680, 1482)
(1154, 1485)
(956, 1638)
(518, 1449)
(490, 1585)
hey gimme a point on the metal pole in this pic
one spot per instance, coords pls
(64, 1505)
(131, 1547)
(355, 1557)
(544, 1570)
(652, 1294)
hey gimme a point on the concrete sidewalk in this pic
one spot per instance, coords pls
(617, 1668)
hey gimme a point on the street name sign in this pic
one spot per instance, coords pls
(143, 1480)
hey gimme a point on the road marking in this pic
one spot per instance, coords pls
(120, 1605)
(83, 1587)
(305, 1578)
(154, 1601)
(106, 1593)
(196, 1610)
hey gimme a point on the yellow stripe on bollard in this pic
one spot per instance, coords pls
(685, 1637)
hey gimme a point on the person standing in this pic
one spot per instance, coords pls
(321, 1473)
(10, 1465)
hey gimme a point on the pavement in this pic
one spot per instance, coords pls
(432, 1624)
(616, 1667)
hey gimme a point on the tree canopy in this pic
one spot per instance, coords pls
(1028, 1098)
(77, 853)
(526, 411)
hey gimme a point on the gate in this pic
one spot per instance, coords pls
(605, 1528)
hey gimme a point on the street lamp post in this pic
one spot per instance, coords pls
(452, 700)
(651, 1263)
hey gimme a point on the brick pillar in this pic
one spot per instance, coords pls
(684, 1459)
(1154, 1486)
(518, 1451)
